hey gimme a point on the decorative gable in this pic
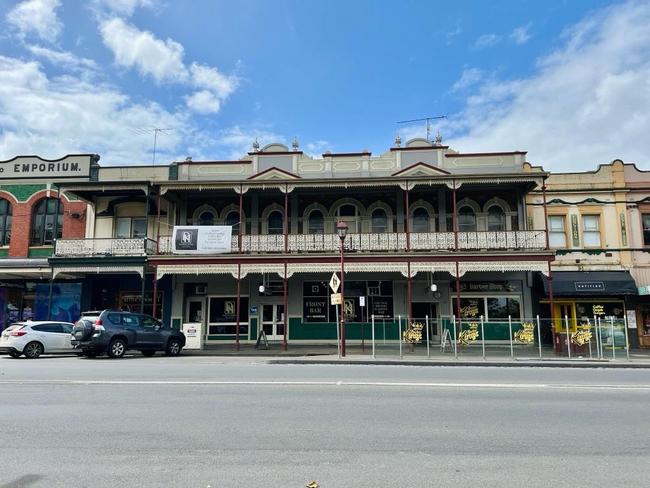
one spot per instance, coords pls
(421, 169)
(274, 173)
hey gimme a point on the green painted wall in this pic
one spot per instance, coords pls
(299, 330)
(4, 253)
(22, 192)
(40, 252)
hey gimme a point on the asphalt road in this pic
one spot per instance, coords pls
(237, 422)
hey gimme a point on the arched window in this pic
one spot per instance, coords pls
(466, 220)
(43, 222)
(206, 218)
(275, 222)
(496, 218)
(232, 219)
(316, 222)
(349, 214)
(5, 222)
(379, 221)
(420, 220)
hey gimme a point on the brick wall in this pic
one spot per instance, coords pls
(22, 221)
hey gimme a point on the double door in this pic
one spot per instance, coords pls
(272, 317)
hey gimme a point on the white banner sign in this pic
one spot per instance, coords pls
(201, 239)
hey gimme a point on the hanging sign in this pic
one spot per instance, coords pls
(202, 239)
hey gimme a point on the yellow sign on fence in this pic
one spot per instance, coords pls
(469, 335)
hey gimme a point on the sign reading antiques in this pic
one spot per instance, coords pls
(75, 166)
(201, 239)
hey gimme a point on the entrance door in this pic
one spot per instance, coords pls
(420, 311)
(273, 321)
(195, 310)
(563, 310)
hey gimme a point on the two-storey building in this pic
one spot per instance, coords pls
(418, 215)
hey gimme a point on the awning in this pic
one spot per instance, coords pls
(591, 283)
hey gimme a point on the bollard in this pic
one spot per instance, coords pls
(611, 322)
(373, 337)
(399, 334)
(428, 345)
(483, 337)
(539, 338)
(568, 342)
(627, 339)
(512, 349)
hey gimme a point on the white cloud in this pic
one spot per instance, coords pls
(64, 59)
(587, 103)
(36, 17)
(163, 60)
(316, 148)
(237, 141)
(211, 79)
(124, 7)
(521, 34)
(203, 102)
(486, 40)
(470, 77)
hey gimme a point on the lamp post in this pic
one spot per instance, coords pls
(342, 231)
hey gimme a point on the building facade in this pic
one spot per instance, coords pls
(418, 215)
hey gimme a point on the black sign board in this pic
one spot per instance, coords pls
(590, 286)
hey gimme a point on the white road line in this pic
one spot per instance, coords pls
(515, 386)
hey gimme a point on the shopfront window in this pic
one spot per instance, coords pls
(503, 307)
(645, 320)
(471, 307)
(222, 316)
(378, 301)
(492, 308)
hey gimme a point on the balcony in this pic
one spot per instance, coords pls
(104, 247)
(519, 240)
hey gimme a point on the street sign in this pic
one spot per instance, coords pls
(336, 298)
(335, 283)
(362, 301)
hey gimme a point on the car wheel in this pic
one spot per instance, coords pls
(15, 354)
(33, 350)
(173, 347)
(148, 353)
(116, 348)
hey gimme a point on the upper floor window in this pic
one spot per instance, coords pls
(206, 218)
(466, 220)
(44, 219)
(591, 230)
(130, 227)
(5, 222)
(645, 219)
(316, 222)
(232, 219)
(420, 220)
(275, 223)
(379, 221)
(496, 218)
(556, 231)
(349, 214)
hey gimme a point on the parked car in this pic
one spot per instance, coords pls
(35, 338)
(114, 332)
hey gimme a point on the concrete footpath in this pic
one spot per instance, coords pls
(495, 356)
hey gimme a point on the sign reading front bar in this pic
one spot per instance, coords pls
(201, 239)
(72, 166)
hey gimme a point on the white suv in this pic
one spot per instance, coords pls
(35, 338)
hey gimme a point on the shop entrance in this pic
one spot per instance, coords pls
(273, 321)
(420, 311)
(195, 310)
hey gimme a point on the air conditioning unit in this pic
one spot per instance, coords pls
(200, 289)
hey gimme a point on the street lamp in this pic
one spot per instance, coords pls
(342, 231)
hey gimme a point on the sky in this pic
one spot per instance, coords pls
(567, 81)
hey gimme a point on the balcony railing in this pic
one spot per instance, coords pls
(104, 247)
(526, 240)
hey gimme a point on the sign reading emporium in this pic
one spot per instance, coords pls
(72, 166)
(201, 239)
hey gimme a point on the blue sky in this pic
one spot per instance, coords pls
(565, 80)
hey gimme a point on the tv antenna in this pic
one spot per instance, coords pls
(428, 120)
(155, 131)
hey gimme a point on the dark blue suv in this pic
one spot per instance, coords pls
(114, 332)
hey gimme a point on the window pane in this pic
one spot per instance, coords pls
(496, 219)
(466, 220)
(139, 227)
(646, 229)
(556, 223)
(557, 239)
(316, 223)
(420, 220)
(123, 228)
(232, 219)
(379, 222)
(348, 211)
(470, 307)
(590, 222)
(502, 307)
(591, 239)
(275, 223)
(206, 218)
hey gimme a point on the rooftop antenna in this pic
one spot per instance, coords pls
(155, 131)
(428, 120)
